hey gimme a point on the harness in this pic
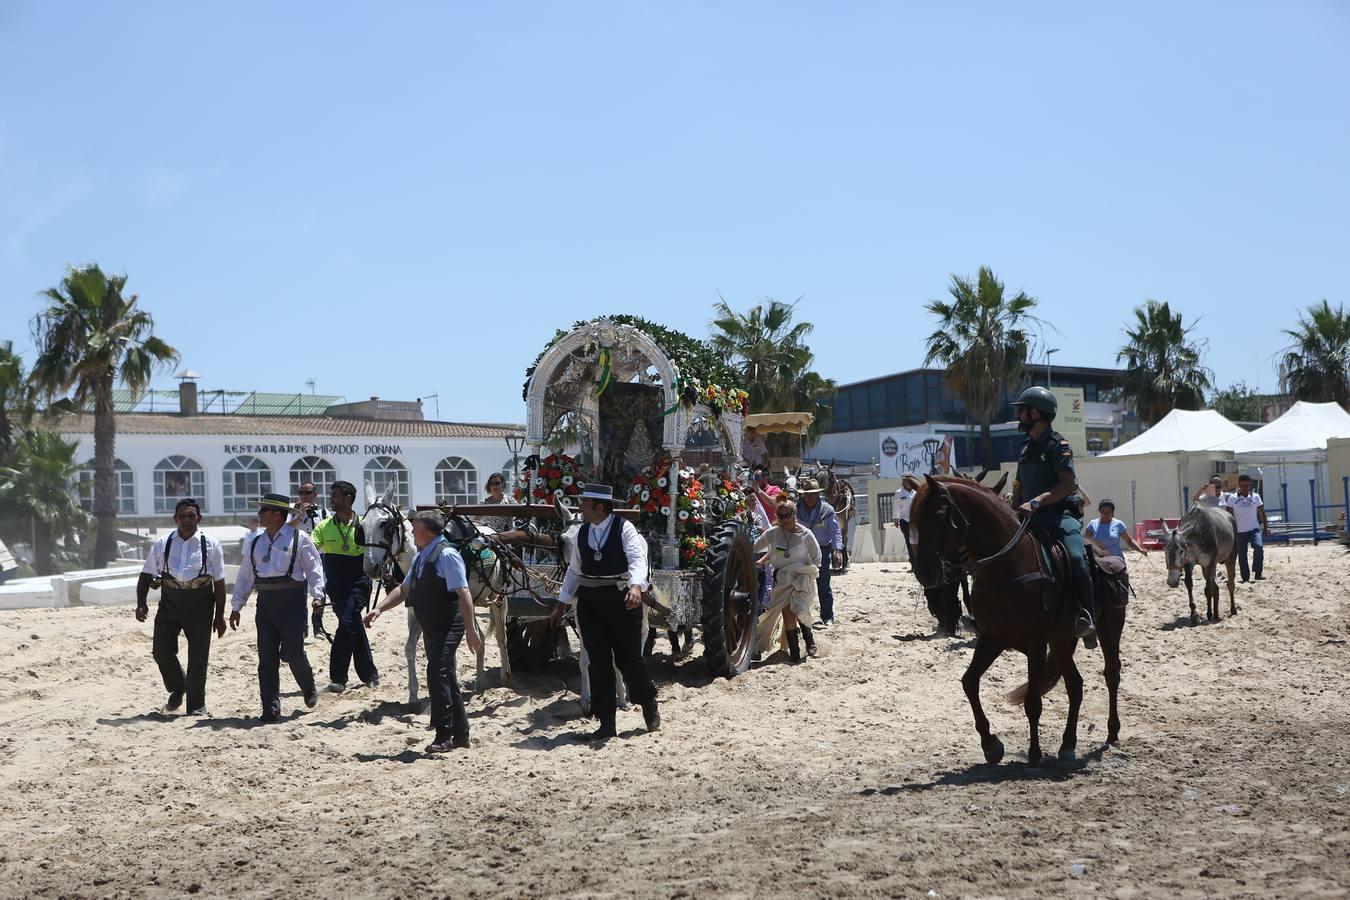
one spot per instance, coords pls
(950, 515)
(202, 580)
(275, 582)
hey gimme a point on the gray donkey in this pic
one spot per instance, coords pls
(1205, 536)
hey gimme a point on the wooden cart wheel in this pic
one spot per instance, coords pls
(730, 601)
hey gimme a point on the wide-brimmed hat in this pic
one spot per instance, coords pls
(593, 491)
(809, 486)
(276, 501)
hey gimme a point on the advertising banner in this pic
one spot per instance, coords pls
(915, 452)
(1069, 420)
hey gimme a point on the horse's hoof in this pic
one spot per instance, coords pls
(1067, 755)
(993, 750)
(1195, 620)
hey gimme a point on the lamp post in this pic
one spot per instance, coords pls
(513, 443)
(1047, 364)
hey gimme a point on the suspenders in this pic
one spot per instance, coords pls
(164, 563)
(295, 551)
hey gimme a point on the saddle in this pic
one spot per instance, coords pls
(1110, 579)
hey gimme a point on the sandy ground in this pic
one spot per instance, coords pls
(857, 773)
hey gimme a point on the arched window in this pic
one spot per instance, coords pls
(385, 470)
(124, 481)
(177, 477)
(456, 481)
(508, 472)
(247, 478)
(315, 469)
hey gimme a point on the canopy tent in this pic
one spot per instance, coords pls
(789, 422)
(1184, 430)
(1300, 435)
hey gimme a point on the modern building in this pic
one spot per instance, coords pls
(256, 442)
(920, 400)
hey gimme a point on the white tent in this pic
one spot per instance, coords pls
(1300, 435)
(1290, 455)
(1184, 430)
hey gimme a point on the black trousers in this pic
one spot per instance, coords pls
(612, 634)
(191, 613)
(442, 631)
(351, 644)
(281, 635)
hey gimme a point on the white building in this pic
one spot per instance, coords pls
(226, 462)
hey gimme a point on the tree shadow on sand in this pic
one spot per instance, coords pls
(985, 773)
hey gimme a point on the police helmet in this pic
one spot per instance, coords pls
(1037, 397)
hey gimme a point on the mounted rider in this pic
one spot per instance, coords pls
(1045, 483)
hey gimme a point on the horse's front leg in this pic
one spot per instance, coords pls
(410, 653)
(1190, 593)
(497, 622)
(1109, 631)
(985, 654)
(1032, 703)
(1061, 655)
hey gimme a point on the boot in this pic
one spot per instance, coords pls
(794, 647)
(809, 639)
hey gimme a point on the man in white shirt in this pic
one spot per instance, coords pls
(281, 562)
(753, 449)
(309, 512)
(1212, 494)
(900, 509)
(189, 570)
(1249, 515)
(606, 575)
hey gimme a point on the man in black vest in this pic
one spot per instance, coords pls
(606, 575)
(189, 570)
(281, 563)
(436, 588)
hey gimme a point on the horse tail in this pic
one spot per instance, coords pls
(1018, 695)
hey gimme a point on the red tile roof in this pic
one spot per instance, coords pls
(172, 423)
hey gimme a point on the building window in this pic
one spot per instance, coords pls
(247, 478)
(456, 481)
(843, 411)
(508, 472)
(383, 471)
(124, 481)
(177, 477)
(317, 470)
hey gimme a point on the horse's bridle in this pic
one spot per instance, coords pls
(948, 564)
(393, 547)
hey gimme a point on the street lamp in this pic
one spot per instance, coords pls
(1047, 364)
(513, 443)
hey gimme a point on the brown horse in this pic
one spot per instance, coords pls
(1018, 601)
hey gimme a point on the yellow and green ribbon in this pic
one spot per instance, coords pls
(606, 361)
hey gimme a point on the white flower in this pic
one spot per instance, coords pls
(646, 495)
(665, 510)
(662, 481)
(538, 481)
(558, 492)
(695, 503)
(581, 485)
(684, 514)
(567, 479)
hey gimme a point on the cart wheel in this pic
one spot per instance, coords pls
(730, 602)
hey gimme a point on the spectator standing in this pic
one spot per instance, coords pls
(1249, 515)
(1107, 532)
(819, 516)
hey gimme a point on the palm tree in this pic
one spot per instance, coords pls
(1317, 365)
(37, 487)
(768, 350)
(16, 398)
(90, 338)
(983, 341)
(1162, 365)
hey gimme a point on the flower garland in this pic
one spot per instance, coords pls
(557, 475)
(693, 552)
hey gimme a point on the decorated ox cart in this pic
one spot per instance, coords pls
(655, 415)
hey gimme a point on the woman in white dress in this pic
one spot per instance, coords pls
(791, 549)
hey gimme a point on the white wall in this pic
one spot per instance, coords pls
(348, 454)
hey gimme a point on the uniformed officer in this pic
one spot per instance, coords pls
(436, 589)
(189, 570)
(606, 575)
(280, 562)
(342, 546)
(1045, 481)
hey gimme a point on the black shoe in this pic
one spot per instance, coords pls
(603, 733)
(1258, 577)
(441, 745)
(270, 717)
(809, 640)
(175, 700)
(794, 647)
(460, 743)
(1243, 580)
(1085, 630)
(312, 699)
(652, 716)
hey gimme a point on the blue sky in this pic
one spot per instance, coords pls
(410, 199)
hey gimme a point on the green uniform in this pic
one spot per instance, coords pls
(1038, 471)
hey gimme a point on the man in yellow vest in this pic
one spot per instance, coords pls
(342, 545)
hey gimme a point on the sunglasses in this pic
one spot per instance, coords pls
(304, 492)
(782, 516)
